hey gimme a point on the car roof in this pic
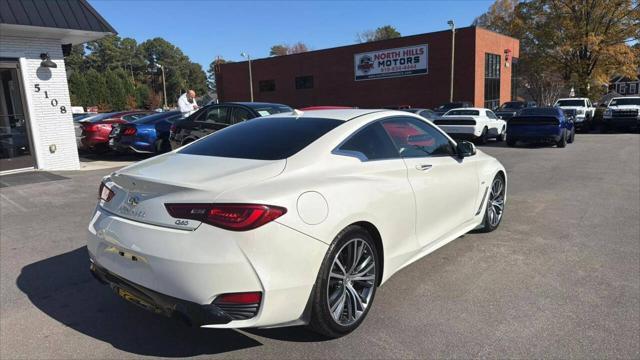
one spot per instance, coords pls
(573, 98)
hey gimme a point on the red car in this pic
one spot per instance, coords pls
(96, 130)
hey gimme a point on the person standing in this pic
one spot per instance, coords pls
(187, 103)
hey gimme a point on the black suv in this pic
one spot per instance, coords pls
(214, 117)
(511, 108)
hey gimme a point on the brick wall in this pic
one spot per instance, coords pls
(47, 124)
(333, 73)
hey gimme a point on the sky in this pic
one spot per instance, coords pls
(206, 29)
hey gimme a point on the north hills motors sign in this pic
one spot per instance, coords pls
(406, 61)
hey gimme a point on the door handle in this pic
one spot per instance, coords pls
(424, 167)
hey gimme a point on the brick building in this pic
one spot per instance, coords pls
(411, 70)
(36, 126)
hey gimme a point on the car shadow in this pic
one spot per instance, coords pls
(63, 288)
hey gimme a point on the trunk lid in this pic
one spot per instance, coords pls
(141, 190)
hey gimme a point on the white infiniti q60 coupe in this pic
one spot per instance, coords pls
(290, 219)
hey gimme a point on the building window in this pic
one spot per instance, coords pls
(514, 79)
(304, 82)
(492, 64)
(622, 88)
(632, 88)
(267, 85)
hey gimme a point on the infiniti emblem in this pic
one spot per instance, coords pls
(133, 200)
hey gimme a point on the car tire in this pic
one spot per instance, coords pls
(563, 140)
(337, 321)
(502, 136)
(482, 139)
(162, 146)
(494, 210)
(572, 137)
(511, 142)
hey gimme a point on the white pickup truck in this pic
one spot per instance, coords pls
(476, 124)
(622, 112)
(585, 111)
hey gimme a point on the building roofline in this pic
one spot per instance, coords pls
(100, 18)
(466, 28)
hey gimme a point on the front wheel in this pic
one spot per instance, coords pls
(346, 283)
(563, 140)
(572, 137)
(495, 204)
(502, 136)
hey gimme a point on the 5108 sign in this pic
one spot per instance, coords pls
(54, 102)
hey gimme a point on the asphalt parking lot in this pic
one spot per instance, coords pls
(560, 278)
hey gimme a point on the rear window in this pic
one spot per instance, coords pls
(539, 112)
(263, 139)
(570, 103)
(463, 112)
(101, 117)
(512, 105)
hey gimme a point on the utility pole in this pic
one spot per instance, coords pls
(243, 54)
(453, 54)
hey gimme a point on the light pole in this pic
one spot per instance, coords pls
(155, 68)
(245, 55)
(453, 54)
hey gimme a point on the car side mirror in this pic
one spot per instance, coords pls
(465, 149)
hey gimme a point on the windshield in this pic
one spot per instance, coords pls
(570, 103)
(150, 119)
(265, 139)
(539, 112)
(625, 101)
(463, 112)
(451, 106)
(512, 105)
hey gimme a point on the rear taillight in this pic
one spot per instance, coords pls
(105, 193)
(90, 128)
(239, 306)
(129, 131)
(235, 217)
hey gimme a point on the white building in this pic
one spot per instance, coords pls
(36, 126)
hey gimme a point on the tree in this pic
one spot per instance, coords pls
(382, 33)
(283, 49)
(211, 77)
(117, 98)
(78, 89)
(279, 50)
(584, 41)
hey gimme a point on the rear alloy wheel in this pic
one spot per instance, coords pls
(482, 139)
(502, 136)
(346, 284)
(495, 205)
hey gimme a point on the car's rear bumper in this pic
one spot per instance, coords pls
(461, 131)
(198, 265)
(621, 121)
(192, 313)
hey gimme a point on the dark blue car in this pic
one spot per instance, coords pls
(149, 134)
(545, 124)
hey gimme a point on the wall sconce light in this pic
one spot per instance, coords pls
(46, 61)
